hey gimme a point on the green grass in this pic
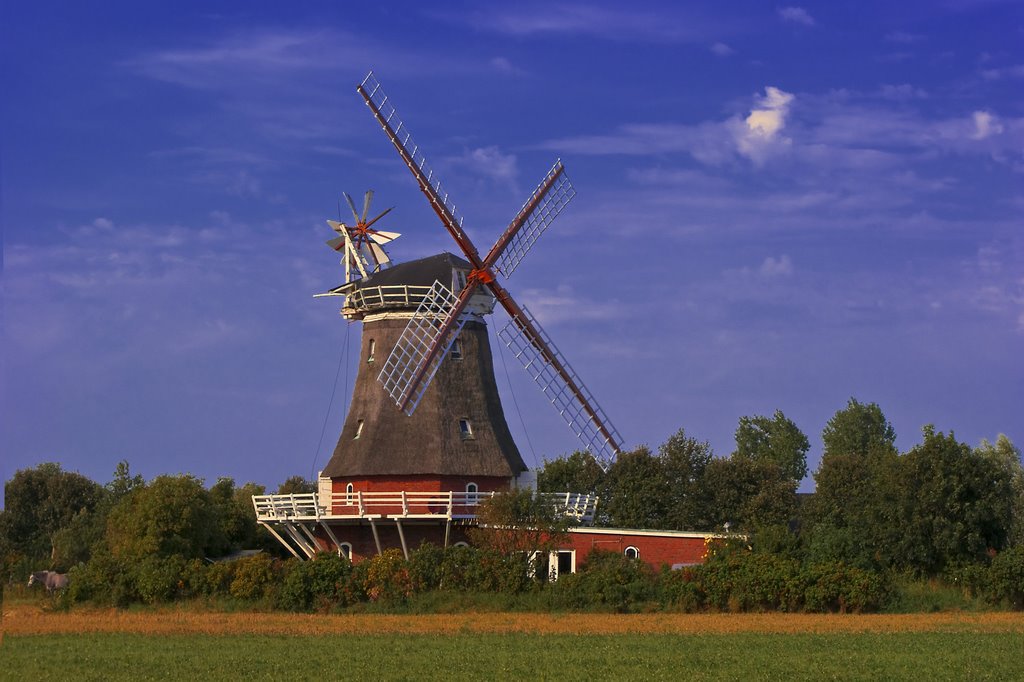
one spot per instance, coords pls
(910, 656)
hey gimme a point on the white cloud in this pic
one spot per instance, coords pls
(1016, 71)
(763, 124)
(722, 50)
(796, 15)
(776, 267)
(505, 66)
(489, 162)
(985, 125)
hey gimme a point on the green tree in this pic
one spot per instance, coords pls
(295, 485)
(173, 515)
(955, 505)
(775, 439)
(635, 491)
(684, 460)
(749, 493)
(852, 516)
(1007, 459)
(858, 429)
(518, 521)
(40, 502)
(577, 473)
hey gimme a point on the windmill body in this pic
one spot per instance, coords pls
(425, 439)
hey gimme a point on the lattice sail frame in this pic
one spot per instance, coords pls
(376, 94)
(557, 391)
(556, 199)
(416, 339)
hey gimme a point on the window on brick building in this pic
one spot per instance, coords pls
(471, 493)
(345, 550)
(632, 552)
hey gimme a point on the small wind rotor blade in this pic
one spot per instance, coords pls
(386, 211)
(384, 237)
(366, 204)
(412, 351)
(351, 205)
(338, 243)
(575, 403)
(547, 201)
(340, 228)
(379, 255)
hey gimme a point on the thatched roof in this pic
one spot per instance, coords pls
(379, 440)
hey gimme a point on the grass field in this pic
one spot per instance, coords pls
(178, 644)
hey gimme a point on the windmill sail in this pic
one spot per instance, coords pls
(575, 403)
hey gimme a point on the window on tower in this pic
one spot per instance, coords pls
(459, 281)
(456, 352)
(359, 429)
(372, 348)
(471, 493)
(465, 429)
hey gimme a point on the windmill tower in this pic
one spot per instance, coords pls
(425, 439)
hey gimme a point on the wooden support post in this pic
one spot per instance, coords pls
(376, 537)
(309, 534)
(299, 540)
(330, 534)
(401, 536)
(281, 540)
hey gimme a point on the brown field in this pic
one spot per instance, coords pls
(27, 619)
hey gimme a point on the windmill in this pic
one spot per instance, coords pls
(433, 328)
(361, 244)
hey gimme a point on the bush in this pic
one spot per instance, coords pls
(104, 579)
(837, 587)
(425, 567)
(320, 583)
(255, 578)
(159, 579)
(387, 578)
(608, 581)
(1006, 578)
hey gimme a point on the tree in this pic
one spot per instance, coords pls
(748, 493)
(296, 485)
(173, 515)
(635, 491)
(577, 473)
(518, 522)
(684, 460)
(955, 505)
(41, 501)
(775, 440)
(858, 429)
(1006, 458)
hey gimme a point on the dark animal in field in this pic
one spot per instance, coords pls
(51, 579)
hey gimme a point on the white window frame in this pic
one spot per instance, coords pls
(636, 551)
(345, 550)
(349, 493)
(372, 349)
(359, 429)
(472, 496)
(466, 429)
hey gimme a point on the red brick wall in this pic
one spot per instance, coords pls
(654, 550)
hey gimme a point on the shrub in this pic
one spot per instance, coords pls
(837, 587)
(607, 581)
(159, 579)
(680, 590)
(1006, 578)
(425, 567)
(387, 578)
(254, 577)
(319, 583)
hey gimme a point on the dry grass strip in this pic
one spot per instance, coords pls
(24, 619)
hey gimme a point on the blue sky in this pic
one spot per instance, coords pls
(779, 207)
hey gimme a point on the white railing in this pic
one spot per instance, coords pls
(401, 504)
(380, 297)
